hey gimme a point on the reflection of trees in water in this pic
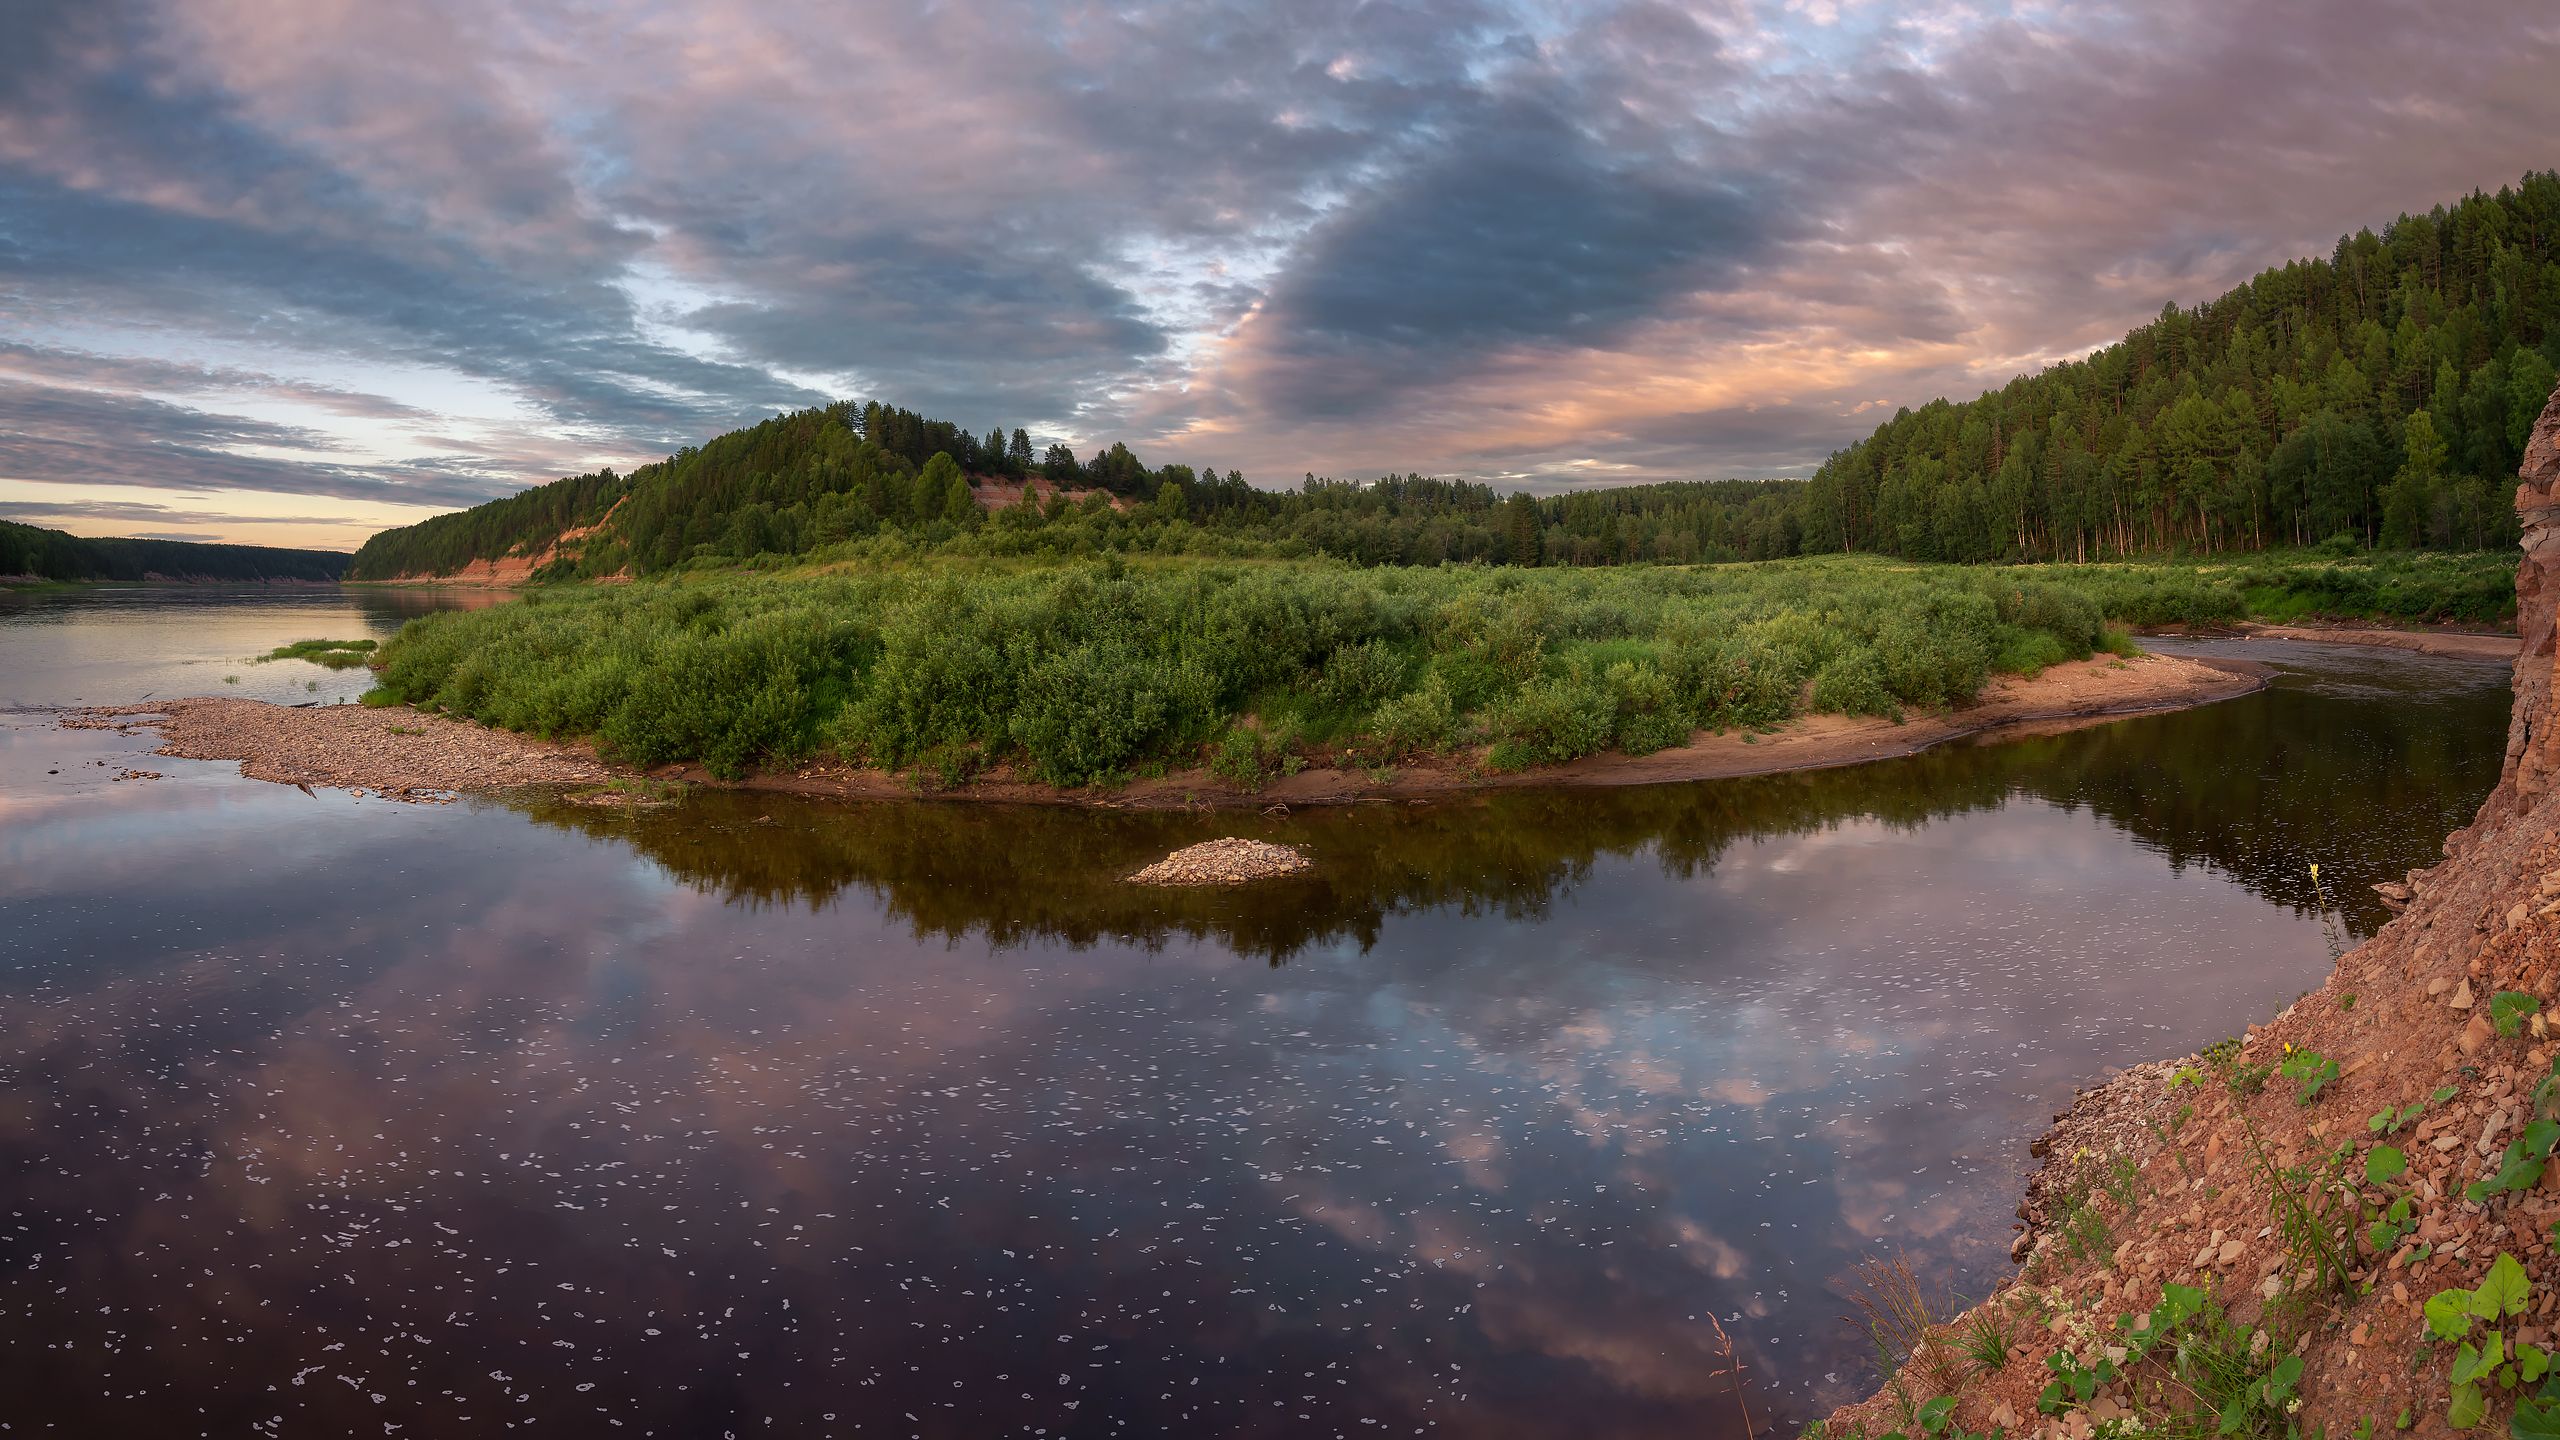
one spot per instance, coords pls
(2369, 785)
(408, 602)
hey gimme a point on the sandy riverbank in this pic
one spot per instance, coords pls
(2461, 644)
(403, 753)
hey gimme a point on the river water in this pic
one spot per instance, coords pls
(746, 1116)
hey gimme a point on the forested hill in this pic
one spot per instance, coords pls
(54, 555)
(2384, 392)
(844, 475)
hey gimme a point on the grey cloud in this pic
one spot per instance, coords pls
(1385, 226)
(36, 512)
(573, 350)
(77, 367)
(81, 437)
(1527, 233)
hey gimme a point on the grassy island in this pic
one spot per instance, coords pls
(1085, 673)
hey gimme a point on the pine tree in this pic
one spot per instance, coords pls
(1521, 539)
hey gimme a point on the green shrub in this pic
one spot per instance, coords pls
(1083, 715)
(1647, 715)
(1854, 684)
(1358, 677)
(2028, 652)
(1423, 720)
(1552, 720)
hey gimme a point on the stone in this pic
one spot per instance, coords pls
(2475, 1036)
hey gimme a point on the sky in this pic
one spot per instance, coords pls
(289, 271)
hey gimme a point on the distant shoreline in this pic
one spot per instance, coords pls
(39, 582)
(406, 754)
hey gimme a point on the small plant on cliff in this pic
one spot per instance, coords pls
(2317, 1211)
(1901, 1316)
(2490, 1358)
(1985, 1341)
(2221, 1379)
(2392, 1119)
(2309, 1070)
(2520, 1168)
(2510, 1007)
(2383, 1167)
(2243, 1077)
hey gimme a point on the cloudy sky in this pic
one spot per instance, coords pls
(291, 270)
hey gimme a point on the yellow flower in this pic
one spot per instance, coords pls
(2315, 869)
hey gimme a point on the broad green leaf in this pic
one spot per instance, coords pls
(2468, 1409)
(1933, 1416)
(2449, 1314)
(2471, 1362)
(2384, 1163)
(2535, 1420)
(2508, 1009)
(2506, 1290)
(2540, 1137)
(2516, 1171)
(2466, 1362)
(2531, 1361)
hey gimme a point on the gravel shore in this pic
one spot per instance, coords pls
(394, 752)
(1228, 861)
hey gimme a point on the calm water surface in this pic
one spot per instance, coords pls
(322, 1116)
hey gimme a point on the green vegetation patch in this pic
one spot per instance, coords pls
(2282, 586)
(336, 654)
(1085, 673)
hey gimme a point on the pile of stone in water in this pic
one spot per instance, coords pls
(1227, 861)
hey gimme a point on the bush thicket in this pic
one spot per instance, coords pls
(1082, 673)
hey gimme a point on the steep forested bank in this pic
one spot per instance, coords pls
(54, 555)
(2384, 392)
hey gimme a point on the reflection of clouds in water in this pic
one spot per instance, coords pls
(1487, 1164)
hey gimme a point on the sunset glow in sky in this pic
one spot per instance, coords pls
(289, 271)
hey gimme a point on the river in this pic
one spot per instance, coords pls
(323, 1115)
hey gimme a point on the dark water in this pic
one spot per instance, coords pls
(324, 1117)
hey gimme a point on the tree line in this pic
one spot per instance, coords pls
(820, 478)
(28, 550)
